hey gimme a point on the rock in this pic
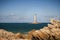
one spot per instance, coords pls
(51, 32)
(51, 26)
(17, 35)
(56, 23)
(56, 32)
(3, 38)
(6, 34)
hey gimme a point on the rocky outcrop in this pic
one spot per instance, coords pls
(5, 35)
(51, 32)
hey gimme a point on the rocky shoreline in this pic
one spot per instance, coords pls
(51, 32)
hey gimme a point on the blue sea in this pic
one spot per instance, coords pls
(21, 27)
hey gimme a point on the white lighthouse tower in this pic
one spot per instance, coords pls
(35, 19)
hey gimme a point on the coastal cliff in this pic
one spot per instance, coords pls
(50, 32)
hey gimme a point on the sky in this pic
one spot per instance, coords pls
(23, 11)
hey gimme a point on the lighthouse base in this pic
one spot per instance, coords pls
(35, 23)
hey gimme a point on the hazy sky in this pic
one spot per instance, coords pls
(24, 10)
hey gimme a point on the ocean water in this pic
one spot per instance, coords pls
(21, 27)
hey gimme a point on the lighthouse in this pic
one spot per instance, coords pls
(35, 19)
